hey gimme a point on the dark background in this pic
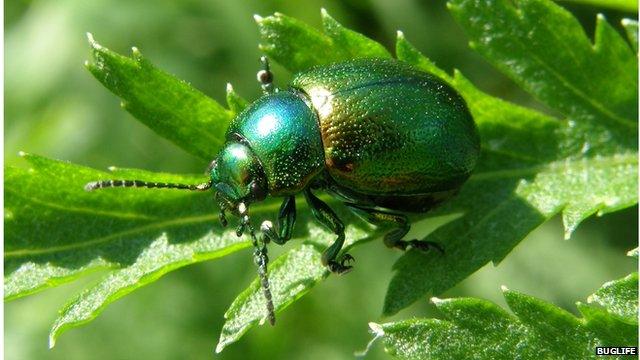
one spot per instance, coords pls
(54, 107)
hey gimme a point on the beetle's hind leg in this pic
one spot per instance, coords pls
(393, 238)
(328, 218)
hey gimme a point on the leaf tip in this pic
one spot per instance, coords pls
(52, 339)
(568, 231)
(324, 13)
(135, 53)
(257, 18)
(504, 288)
(399, 35)
(451, 6)
(229, 88)
(92, 41)
(633, 253)
(627, 22)
(22, 153)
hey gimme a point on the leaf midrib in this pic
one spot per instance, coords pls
(139, 229)
(132, 231)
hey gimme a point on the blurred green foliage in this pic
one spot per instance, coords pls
(55, 108)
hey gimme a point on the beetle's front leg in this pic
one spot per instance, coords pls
(328, 218)
(286, 222)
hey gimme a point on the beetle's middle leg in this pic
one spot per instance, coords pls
(393, 238)
(286, 222)
(328, 218)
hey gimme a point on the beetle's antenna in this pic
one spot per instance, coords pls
(102, 184)
(265, 76)
(261, 259)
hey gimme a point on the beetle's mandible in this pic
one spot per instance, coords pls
(378, 134)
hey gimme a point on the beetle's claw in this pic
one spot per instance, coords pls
(347, 258)
(341, 267)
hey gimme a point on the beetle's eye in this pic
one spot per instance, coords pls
(211, 166)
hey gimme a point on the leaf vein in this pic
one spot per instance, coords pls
(100, 240)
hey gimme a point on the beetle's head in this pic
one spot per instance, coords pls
(237, 177)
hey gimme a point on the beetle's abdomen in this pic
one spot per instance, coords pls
(282, 131)
(388, 129)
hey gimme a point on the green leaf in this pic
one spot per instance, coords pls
(619, 297)
(291, 276)
(159, 257)
(169, 106)
(56, 232)
(631, 27)
(623, 5)
(354, 44)
(298, 46)
(544, 49)
(532, 166)
(235, 102)
(479, 329)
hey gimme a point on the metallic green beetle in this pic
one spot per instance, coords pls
(380, 135)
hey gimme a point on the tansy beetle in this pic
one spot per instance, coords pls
(381, 136)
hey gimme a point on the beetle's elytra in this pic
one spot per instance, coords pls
(378, 134)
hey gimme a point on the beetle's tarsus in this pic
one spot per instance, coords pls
(339, 267)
